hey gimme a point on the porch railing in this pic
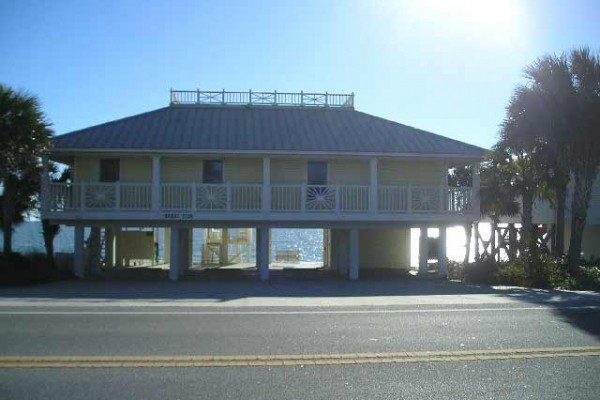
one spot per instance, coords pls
(248, 198)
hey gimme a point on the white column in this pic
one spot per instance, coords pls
(342, 250)
(423, 251)
(266, 189)
(167, 245)
(45, 188)
(156, 183)
(78, 259)
(373, 186)
(354, 255)
(262, 253)
(175, 257)
(442, 256)
(476, 182)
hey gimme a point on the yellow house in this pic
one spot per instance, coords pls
(264, 160)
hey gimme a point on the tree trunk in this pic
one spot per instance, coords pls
(512, 242)
(526, 222)
(579, 206)
(9, 199)
(558, 245)
(468, 236)
(477, 253)
(49, 232)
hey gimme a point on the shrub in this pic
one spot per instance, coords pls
(456, 271)
(482, 271)
(18, 269)
(588, 278)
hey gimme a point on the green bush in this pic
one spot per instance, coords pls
(456, 271)
(482, 271)
(17, 269)
(588, 278)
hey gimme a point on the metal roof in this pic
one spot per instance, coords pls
(262, 129)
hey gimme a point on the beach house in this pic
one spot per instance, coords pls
(259, 161)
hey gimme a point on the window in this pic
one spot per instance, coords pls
(109, 170)
(317, 173)
(212, 172)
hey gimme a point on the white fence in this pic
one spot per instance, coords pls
(248, 198)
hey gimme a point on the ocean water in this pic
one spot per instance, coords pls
(27, 238)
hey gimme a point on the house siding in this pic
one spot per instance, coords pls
(391, 172)
(180, 169)
(291, 171)
(349, 172)
(243, 170)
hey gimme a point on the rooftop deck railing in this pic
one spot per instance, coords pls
(251, 98)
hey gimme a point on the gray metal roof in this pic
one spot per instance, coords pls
(262, 129)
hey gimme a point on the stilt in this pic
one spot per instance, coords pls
(442, 256)
(185, 250)
(354, 255)
(78, 259)
(175, 257)
(109, 247)
(423, 250)
(262, 253)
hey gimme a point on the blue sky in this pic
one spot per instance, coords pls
(445, 68)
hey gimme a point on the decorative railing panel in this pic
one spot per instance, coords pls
(211, 197)
(100, 195)
(321, 198)
(426, 198)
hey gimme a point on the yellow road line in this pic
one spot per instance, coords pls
(292, 359)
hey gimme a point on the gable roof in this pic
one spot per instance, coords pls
(262, 129)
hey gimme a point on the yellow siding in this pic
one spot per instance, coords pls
(349, 172)
(384, 248)
(417, 172)
(243, 170)
(134, 245)
(136, 169)
(87, 169)
(181, 169)
(291, 171)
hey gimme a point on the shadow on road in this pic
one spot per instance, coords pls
(221, 286)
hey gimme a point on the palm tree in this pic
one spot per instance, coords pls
(519, 153)
(585, 144)
(25, 136)
(551, 82)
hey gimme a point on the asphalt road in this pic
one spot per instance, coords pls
(113, 330)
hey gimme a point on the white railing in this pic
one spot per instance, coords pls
(251, 98)
(287, 197)
(176, 196)
(393, 198)
(354, 198)
(459, 199)
(136, 196)
(63, 197)
(245, 197)
(248, 198)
